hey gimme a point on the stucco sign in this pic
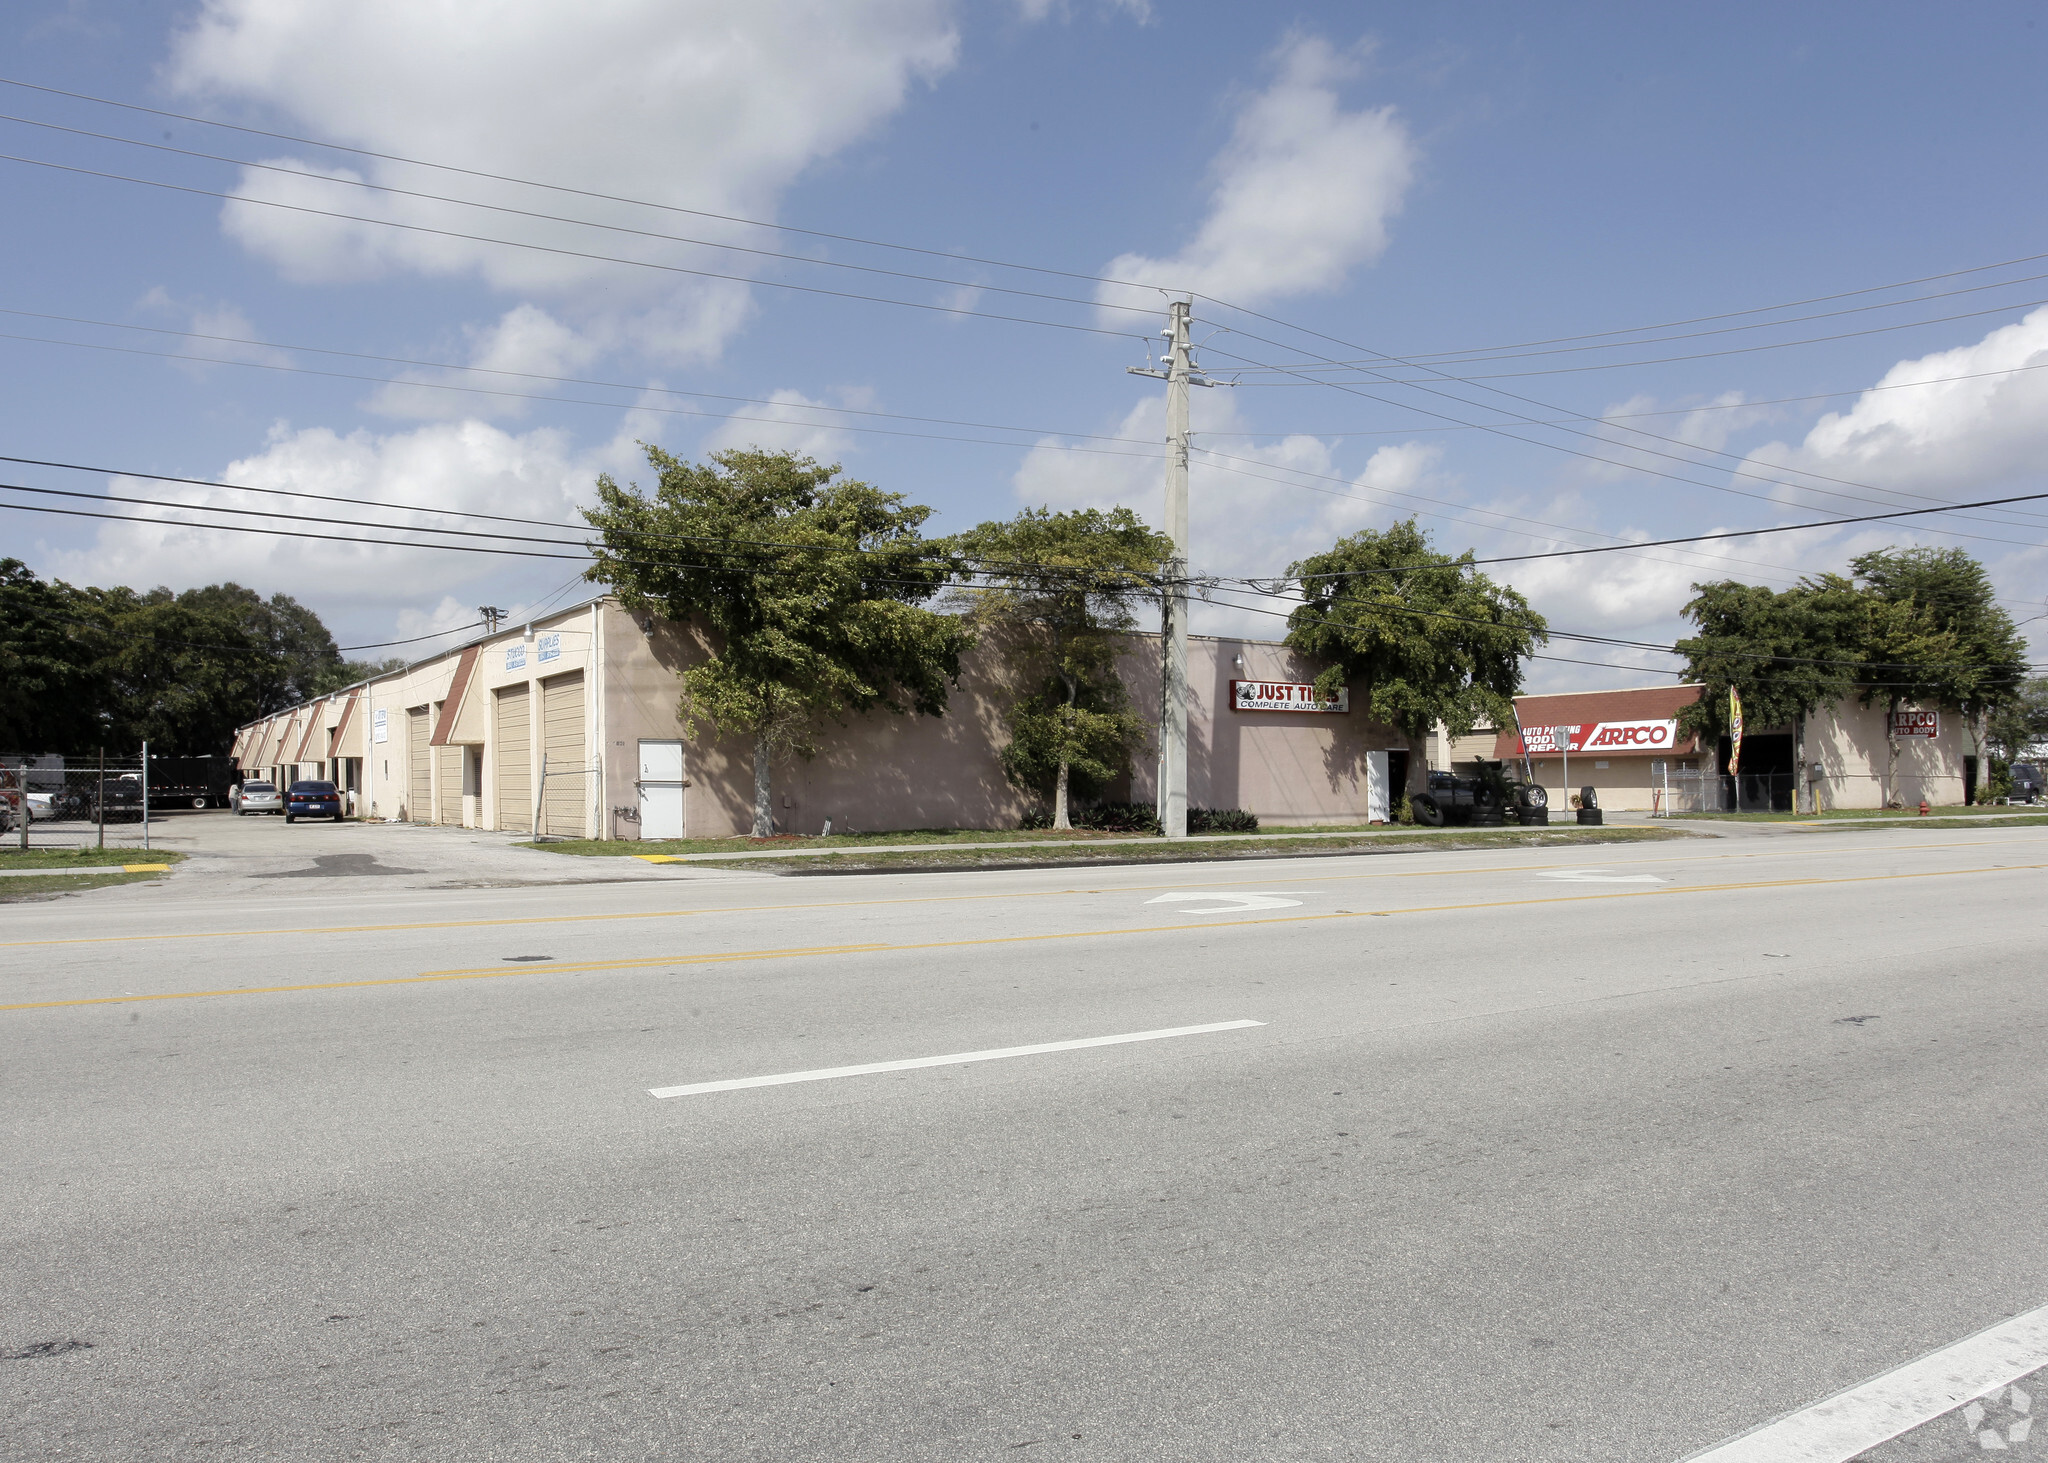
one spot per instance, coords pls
(1916, 724)
(1284, 696)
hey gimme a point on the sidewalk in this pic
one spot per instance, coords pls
(1148, 840)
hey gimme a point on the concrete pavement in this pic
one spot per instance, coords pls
(1595, 1153)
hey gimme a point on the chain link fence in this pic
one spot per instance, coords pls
(49, 802)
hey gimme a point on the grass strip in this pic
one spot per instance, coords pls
(1888, 815)
(1977, 824)
(49, 886)
(1256, 846)
(77, 858)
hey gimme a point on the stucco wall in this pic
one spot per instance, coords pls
(1850, 744)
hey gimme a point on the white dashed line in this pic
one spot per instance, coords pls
(824, 1074)
(1854, 1421)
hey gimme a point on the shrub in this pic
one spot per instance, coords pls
(1221, 820)
(1036, 818)
(1119, 818)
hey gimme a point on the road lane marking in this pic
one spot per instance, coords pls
(825, 1074)
(1599, 876)
(1229, 903)
(495, 972)
(555, 919)
(1885, 1407)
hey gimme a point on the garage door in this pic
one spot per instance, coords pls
(512, 753)
(448, 792)
(566, 797)
(419, 785)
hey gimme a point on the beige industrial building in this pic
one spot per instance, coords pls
(570, 726)
(1626, 746)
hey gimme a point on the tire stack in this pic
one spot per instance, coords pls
(1532, 805)
(1487, 811)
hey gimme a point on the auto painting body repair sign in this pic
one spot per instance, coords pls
(1603, 738)
(1284, 696)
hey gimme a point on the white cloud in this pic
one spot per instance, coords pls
(218, 329)
(534, 478)
(794, 423)
(1304, 191)
(697, 104)
(1251, 516)
(526, 342)
(1032, 12)
(1954, 438)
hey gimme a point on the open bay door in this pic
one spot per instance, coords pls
(661, 789)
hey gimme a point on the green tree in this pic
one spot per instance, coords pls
(1055, 597)
(1788, 652)
(811, 590)
(1937, 637)
(53, 692)
(2015, 729)
(1428, 637)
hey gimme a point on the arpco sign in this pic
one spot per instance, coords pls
(1608, 736)
(1916, 724)
(1632, 736)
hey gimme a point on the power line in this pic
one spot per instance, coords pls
(1413, 364)
(1621, 416)
(583, 254)
(375, 187)
(530, 376)
(578, 192)
(621, 406)
(1574, 452)
(1434, 361)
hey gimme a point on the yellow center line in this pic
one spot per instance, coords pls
(493, 972)
(560, 919)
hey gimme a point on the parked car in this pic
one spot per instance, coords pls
(2026, 783)
(312, 800)
(1485, 799)
(259, 797)
(114, 800)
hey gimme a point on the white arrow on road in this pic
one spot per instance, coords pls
(1230, 903)
(1600, 876)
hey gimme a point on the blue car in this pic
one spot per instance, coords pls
(312, 800)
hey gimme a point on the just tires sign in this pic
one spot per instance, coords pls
(1283, 696)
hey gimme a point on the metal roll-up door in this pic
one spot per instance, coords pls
(512, 751)
(448, 792)
(566, 798)
(419, 781)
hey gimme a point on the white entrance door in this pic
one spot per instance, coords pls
(661, 789)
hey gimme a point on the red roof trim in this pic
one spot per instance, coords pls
(453, 705)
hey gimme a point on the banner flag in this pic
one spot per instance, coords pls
(1734, 731)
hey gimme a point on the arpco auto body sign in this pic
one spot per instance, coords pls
(1284, 696)
(1607, 736)
(1916, 724)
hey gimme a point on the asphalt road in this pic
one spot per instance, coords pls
(1582, 1154)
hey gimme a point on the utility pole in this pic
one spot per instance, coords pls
(1179, 373)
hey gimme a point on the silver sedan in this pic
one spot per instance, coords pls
(259, 797)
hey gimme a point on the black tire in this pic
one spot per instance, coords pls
(1488, 817)
(1530, 795)
(199, 802)
(1535, 817)
(288, 817)
(1427, 810)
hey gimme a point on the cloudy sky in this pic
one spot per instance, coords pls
(1576, 276)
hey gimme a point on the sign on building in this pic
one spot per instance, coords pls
(1284, 696)
(1916, 724)
(550, 647)
(515, 656)
(380, 727)
(1606, 736)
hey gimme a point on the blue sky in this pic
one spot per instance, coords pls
(1414, 181)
